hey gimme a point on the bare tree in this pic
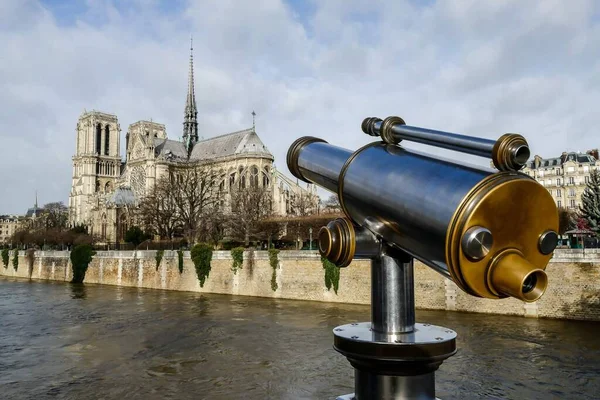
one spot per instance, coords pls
(195, 195)
(248, 207)
(158, 211)
(332, 204)
(56, 215)
(302, 204)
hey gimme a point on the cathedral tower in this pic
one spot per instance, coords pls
(96, 164)
(190, 122)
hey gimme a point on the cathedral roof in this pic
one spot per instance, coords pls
(241, 142)
(170, 149)
(122, 196)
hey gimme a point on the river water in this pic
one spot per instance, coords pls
(59, 341)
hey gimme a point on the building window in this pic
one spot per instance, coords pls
(541, 174)
(587, 179)
(572, 203)
(106, 139)
(557, 171)
(571, 192)
(571, 180)
(586, 168)
(559, 203)
(558, 182)
(571, 169)
(98, 139)
(254, 176)
(558, 193)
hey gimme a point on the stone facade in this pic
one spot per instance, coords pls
(573, 291)
(565, 176)
(105, 191)
(9, 224)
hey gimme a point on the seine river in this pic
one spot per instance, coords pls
(59, 341)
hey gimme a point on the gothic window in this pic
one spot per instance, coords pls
(106, 139)
(254, 176)
(265, 180)
(98, 139)
(138, 180)
(97, 168)
(97, 186)
(243, 182)
(231, 179)
(123, 226)
(107, 187)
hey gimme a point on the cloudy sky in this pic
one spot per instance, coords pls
(307, 67)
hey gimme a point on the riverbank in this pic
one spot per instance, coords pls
(573, 290)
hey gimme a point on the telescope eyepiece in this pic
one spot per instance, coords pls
(512, 275)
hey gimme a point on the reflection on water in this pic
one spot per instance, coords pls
(65, 341)
(78, 290)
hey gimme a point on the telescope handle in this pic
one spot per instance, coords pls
(509, 153)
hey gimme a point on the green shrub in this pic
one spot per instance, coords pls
(30, 257)
(15, 260)
(81, 257)
(180, 260)
(332, 275)
(274, 261)
(159, 257)
(201, 255)
(5, 258)
(237, 255)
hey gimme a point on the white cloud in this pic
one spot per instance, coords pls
(480, 68)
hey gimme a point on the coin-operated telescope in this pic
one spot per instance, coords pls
(490, 232)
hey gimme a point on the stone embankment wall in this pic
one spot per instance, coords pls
(573, 290)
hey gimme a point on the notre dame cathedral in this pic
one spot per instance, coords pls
(105, 190)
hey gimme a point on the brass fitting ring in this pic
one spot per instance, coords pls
(511, 152)
(368, 125)
(386, 129)
(337, 242)
(294, 152)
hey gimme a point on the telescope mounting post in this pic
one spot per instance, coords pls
(394, 358)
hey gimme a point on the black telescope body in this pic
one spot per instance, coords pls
(491, 232)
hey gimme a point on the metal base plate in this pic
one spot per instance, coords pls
(351, 397)
(426, 343)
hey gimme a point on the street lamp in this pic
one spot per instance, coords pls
(310, 243)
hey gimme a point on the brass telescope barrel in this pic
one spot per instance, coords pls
(509, 153)
(492, 233)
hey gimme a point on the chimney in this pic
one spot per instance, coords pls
(563, 157)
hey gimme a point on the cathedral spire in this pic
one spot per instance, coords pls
(190, 122)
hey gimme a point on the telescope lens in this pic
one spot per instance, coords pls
(522, 155)
(529, 283)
